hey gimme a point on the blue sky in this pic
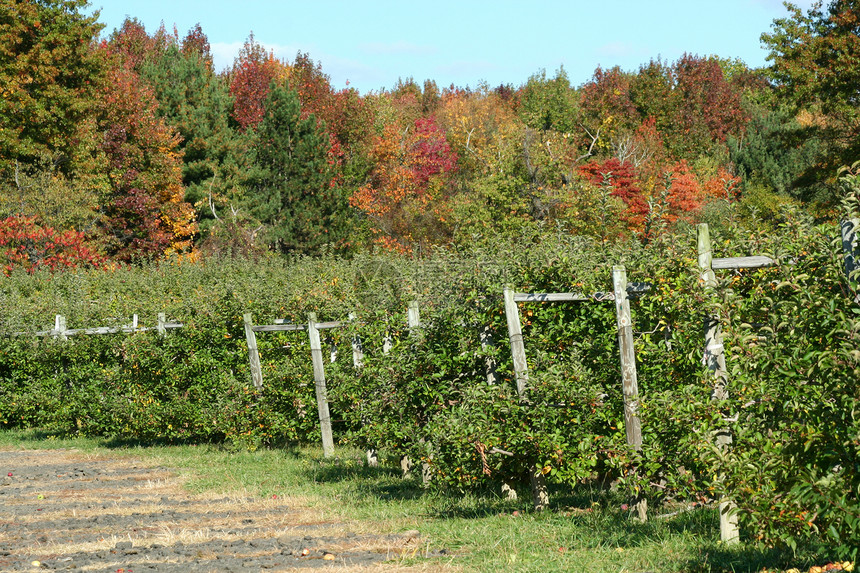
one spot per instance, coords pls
(371, 44)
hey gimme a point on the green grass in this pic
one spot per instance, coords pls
(586, 530)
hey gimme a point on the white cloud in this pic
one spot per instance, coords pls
(223, 54)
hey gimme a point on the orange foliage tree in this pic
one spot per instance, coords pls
(145, 214)
(405, 198)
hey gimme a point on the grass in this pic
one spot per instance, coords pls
(586, 530)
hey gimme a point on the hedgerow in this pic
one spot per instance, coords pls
(791, 337)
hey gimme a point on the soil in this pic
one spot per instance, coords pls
(66, 510)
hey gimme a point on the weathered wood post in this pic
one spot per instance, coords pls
(162, 318)
(319, 386)
(60, 329)
(851, 248)
(253, 353)
(715, 360)
(357, 349)
(629, 380)
(540, 494)
(358, 363)
(413, 316)
(518, 349)
(487, 342)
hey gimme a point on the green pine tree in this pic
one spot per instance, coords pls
(292, 193)
(197, 103)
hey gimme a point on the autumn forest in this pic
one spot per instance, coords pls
(127, 145)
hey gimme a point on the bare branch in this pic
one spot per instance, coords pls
(211, 203)
(594, 138)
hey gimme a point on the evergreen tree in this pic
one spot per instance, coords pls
(293, 193)
(197, 103)
(777, 151)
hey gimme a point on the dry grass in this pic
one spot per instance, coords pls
(127, 488)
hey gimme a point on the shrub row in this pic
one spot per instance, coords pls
(791, 336)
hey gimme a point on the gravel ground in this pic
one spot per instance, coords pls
(65, 510)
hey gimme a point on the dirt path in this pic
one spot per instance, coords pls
(66, 510)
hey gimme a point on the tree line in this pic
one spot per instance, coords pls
(129, 146)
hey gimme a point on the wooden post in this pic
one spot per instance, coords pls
(540, 496)
(59, 327)
(253, 353)
(162, 318)
(487, 342)
(715, 360)
(319, 385)
(386, 342)
(629, 380)
(413, 316)
(357, 350)
(851, 248)
(518, 349)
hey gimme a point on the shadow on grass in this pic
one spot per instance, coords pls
(748, 558)
(48, 438)
(383, 482)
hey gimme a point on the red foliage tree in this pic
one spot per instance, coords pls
(708, 97)
(622, 177)
(146, 214)
(431, 154)
(26, 244)
(405, 197)
(252, 76)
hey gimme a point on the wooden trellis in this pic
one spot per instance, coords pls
(620, 293)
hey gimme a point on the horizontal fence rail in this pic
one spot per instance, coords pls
(632, 289)
(61, 331)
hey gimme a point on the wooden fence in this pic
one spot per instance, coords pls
(62, 332)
